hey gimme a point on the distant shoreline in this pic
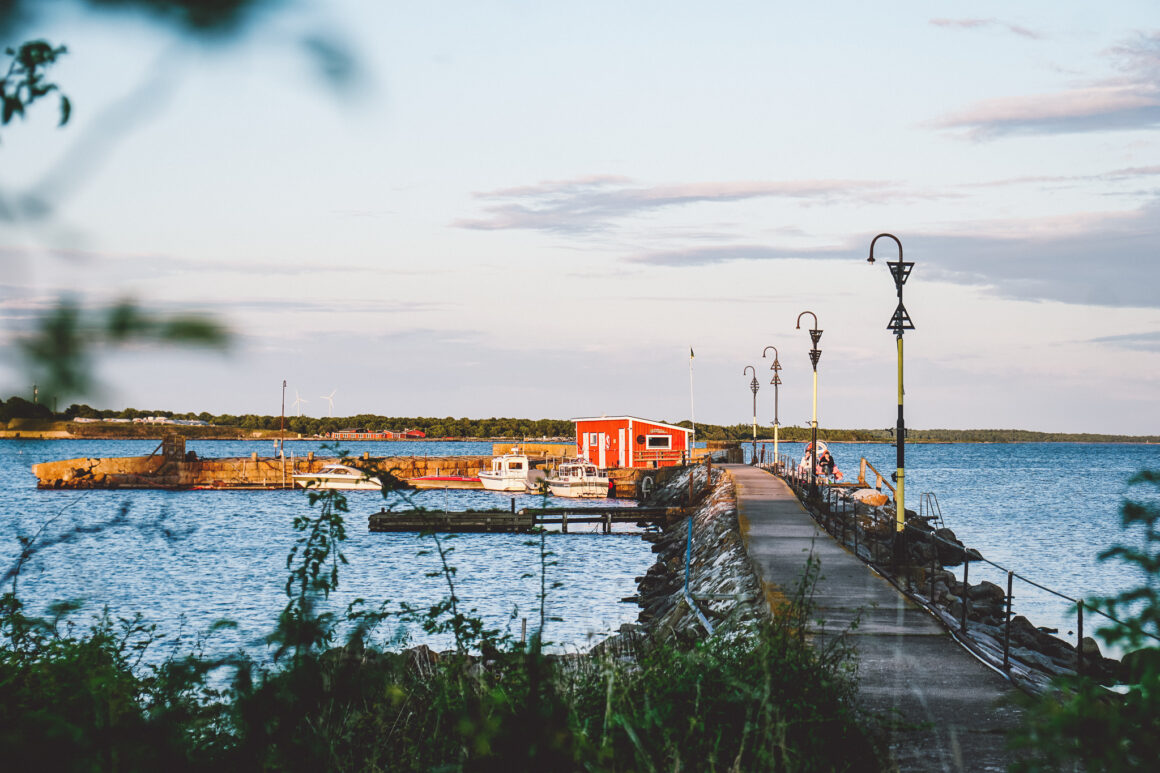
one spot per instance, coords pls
(157, 433)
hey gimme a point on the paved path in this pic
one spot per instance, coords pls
(954, 709)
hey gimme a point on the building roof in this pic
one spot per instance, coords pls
(633, 418)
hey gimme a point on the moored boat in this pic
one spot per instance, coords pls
(508, 473)
(578, 478)
(338, 476)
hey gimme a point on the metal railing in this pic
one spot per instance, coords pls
(838, 513)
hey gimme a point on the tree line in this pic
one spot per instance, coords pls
(449, 426)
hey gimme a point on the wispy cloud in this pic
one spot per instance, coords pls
(590, 204)
(988, 24)
(1100, 259)
(1129, 101)
(707, 256)
(1140, 342)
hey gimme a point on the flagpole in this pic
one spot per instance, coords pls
(692, 415)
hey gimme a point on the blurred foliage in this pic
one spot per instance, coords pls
(25, 81)
(59, 352)
(1084, 722)
(200, 17)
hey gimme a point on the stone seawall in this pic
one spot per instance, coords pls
(722, 581)
(245, 472)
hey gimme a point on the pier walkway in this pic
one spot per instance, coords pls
(953, 711)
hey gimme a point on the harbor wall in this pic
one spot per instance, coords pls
(252, 472)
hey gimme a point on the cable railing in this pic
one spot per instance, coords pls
(840, 515)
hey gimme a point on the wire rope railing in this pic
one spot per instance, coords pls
(840, 515)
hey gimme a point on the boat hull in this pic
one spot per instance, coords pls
(337, 485)
(503, 483)
(579, 489)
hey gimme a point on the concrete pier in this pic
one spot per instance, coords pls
(950, 712)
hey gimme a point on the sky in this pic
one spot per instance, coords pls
(537, 209)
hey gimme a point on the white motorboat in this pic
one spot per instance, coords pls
(508, 473)
(338, 476)
(578, 479)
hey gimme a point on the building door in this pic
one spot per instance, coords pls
(621, 449)
(602, 441)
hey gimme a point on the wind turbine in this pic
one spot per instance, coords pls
(298, 401)
(330, 399)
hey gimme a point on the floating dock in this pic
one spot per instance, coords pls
(521, 521)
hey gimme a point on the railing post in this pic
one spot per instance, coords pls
(1007, 626)
(966, 588)
(1079, 647)
(933, 564)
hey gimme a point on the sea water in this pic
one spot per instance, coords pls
(185, 559)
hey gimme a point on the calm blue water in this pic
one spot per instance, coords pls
(229, 557)
(1043, 510)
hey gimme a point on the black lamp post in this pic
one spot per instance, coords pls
(776, 381)
(753, 386)
(899, 323)
(815, 355)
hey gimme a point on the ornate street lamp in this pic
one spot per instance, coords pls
(815, 355)
(753, 386)
(899, 323)
(776, 381)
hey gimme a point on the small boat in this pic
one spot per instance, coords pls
(445, 481)
(578, 478)
(338, 476)
(508, 473)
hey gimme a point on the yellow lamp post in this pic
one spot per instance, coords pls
(815, 355)
(776, 381)
(899, 323)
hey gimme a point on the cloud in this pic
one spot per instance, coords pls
(1140, 342)
(707, 256)
(1130, 101)
(977, 24)
(591, 204)
(1098, 259)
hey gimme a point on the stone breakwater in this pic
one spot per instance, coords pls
(722, 581)
(1035, 656)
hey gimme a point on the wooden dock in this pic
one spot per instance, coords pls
(522, 521)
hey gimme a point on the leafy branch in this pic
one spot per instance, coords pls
(25, 81)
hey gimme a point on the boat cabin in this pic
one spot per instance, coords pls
(630, 441)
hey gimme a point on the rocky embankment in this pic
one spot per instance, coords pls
(722, 583)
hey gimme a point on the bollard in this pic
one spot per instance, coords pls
(254, 456)
(513, 504)
(1007, 626)
(366, 456)
(564, 522)
(310, 456)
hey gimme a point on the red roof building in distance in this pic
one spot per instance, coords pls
(630, 441)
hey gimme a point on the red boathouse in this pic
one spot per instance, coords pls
(629, 441)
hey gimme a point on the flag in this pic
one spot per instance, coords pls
(690, 352)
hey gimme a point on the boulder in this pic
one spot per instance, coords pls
(1139, 663)
(870, 497)
(987, 591)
